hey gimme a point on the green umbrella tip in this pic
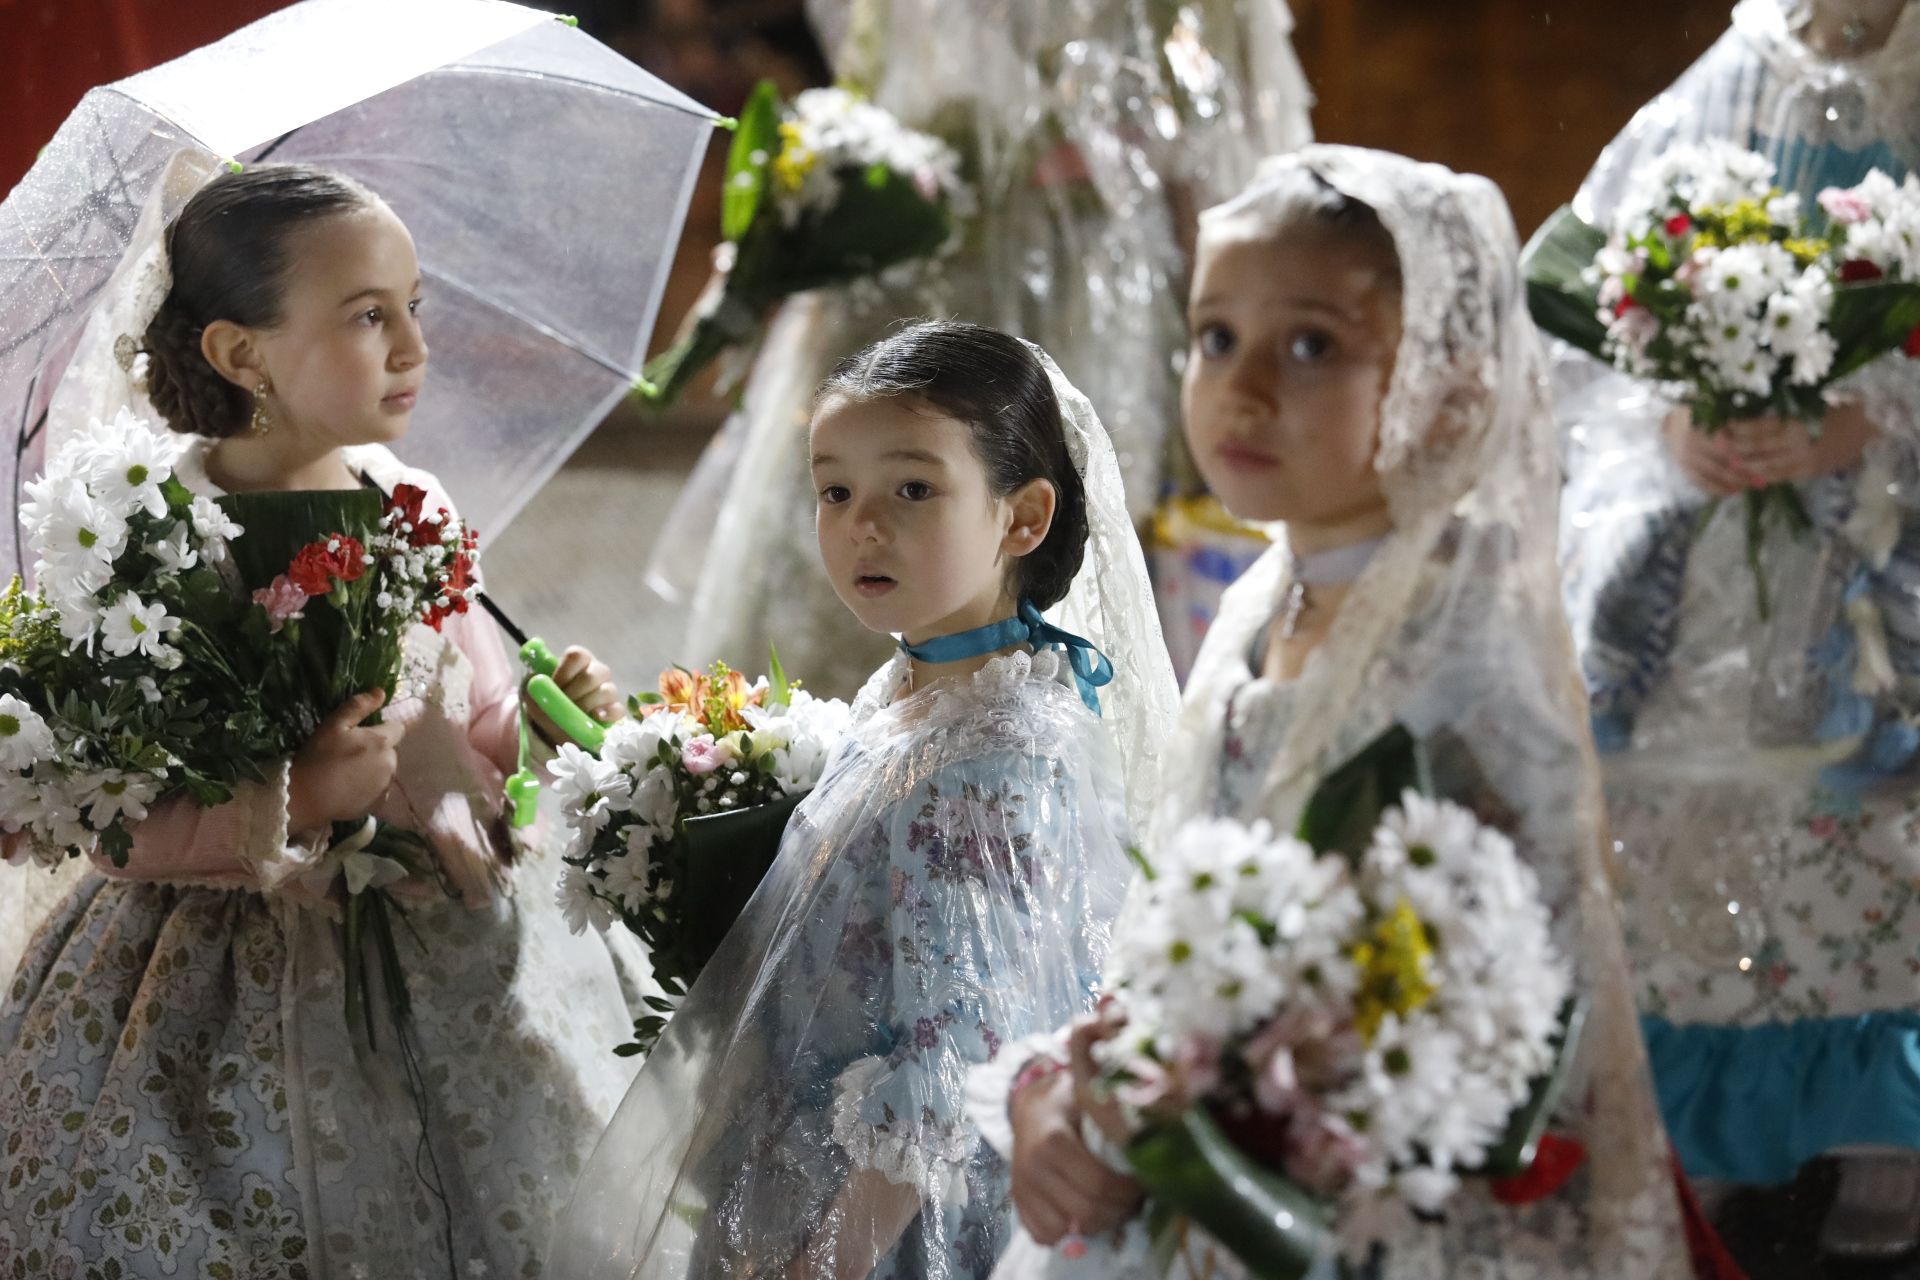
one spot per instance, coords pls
(730, 123)
(234, 166)
(568, 18)
(646, 388)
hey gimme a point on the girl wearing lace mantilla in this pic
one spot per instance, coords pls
(180, 1088)
(949, 886)
(1363, 368)
(1759, 771)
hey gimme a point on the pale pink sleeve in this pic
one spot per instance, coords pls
(494, 729)
(242, 844)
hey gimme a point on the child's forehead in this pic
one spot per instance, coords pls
(1249, 258)
(847, 428)
(368, 245)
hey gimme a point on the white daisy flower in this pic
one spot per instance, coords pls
(132, 626)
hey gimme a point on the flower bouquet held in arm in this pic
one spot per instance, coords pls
(1733, 298)
(138, 672)
(337, 579)
(825, 191)
(678, 816)
(1333, 1026)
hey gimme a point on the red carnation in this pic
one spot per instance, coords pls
(1623, 306)
(1912, 345)
(407, 501)
(1678, 225)
(453, 596)
(1553, 1164)
(1856, 270)
(319, 564)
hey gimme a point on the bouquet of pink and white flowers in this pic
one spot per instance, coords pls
(179, 645)
(1340, 1022)
(676, 818)
(1736, 300)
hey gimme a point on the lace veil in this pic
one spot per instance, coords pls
(1455, 629)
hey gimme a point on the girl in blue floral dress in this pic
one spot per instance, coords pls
(949, 886)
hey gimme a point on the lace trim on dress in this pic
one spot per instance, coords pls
(923, 1154)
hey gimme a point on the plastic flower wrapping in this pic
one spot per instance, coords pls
(1734, 298)
(828, 190)
(676, 818)
(1313, 1032)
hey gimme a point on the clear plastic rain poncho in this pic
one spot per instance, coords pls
(1083, 124)
(1455, 630)
(947, 889)
(1759, 770)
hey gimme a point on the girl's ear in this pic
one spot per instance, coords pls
(1030, 515)
(233, 353)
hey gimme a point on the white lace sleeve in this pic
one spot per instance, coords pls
(920, 1150)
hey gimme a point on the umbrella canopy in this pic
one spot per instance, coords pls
(543, 176)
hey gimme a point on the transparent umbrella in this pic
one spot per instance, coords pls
(543, 176)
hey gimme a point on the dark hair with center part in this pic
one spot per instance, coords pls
(229, 255)
(990, 381)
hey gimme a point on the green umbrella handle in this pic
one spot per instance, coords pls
(546, 695)
(523, 788)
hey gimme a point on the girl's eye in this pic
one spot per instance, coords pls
(1215, 340)
(1311, 345)
(834, 494)
(413, 308)
(916, 491)
(370, 318)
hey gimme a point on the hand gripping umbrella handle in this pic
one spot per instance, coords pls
(523, 788)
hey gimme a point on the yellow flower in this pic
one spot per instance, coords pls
(1394, 964)
(796, 159)
(1742, 222)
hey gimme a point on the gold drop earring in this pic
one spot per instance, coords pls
(262, 421)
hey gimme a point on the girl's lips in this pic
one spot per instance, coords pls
(400, 402)
(1241, 455)
(872, 585)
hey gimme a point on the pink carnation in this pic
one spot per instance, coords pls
(282, 601)
(1846, 206)
(702, 755)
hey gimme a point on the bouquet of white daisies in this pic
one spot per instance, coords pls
(1734, 298)
(1341, 1031)
(119, 681)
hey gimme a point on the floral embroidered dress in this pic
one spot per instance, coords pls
(179, 1092)
(1759, 772)
(948, 888)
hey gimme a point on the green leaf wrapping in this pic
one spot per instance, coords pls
(1346, 807)
(1265, 1220)
(718, 860)
(1562, 303)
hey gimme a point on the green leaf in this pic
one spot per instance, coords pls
(1513, 1154)
(779, 692)
(1266, 1221)
(1562, 303)
(756, 141)
(1346, 807)
(1870, 320)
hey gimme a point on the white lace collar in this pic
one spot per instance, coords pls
(1002, 677)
